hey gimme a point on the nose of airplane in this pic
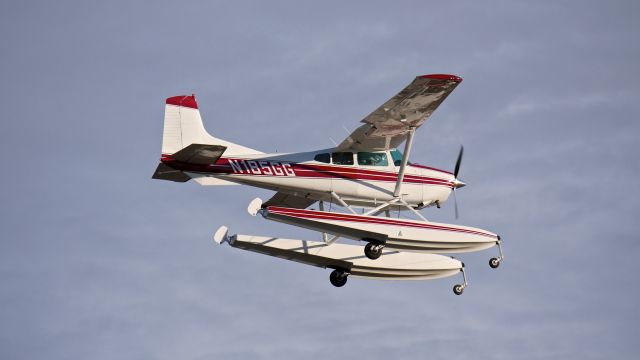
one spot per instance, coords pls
(458, 184)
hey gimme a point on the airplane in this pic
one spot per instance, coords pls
(366, 170)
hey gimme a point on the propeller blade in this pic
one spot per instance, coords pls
(457, 169)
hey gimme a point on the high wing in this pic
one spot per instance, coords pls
(388, 125)
(290, 201)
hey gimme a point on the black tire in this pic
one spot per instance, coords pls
(458, 289)
(372, 251)
(338, 278)
(494, 262)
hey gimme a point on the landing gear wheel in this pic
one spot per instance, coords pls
(494, 263)
(373, 251)
(338, 278)
(458, 289)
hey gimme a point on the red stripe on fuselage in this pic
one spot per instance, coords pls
(430, 168)
(258, 167)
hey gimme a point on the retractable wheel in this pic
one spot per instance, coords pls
(494, 263)
(458, 289)
(373, 251)
(338, 278)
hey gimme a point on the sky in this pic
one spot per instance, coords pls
(99, 261)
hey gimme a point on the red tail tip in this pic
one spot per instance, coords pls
(183, 100)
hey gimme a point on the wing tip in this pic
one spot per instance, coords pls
(442, 77)
(183, 100)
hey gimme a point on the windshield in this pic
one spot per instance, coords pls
(396, 155)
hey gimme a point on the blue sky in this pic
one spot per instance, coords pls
(99, 261)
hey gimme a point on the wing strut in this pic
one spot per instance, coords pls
(338, 199)
(405, 160)
(325, 236)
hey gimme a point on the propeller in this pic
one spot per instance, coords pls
(458, 162)
(457, 183)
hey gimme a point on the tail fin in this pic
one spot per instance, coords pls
(184, 139)
(183, 127)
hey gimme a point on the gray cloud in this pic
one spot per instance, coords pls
(98, 261)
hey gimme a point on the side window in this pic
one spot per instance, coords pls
(342, 158)
(372, 159)
(323, 158)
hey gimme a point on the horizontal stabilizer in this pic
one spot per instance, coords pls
(165, 172)
(199, 154)
(210, 181)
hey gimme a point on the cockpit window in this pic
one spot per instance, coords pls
(396, 155)
(342, 158)
(372, 159)
(323, 158)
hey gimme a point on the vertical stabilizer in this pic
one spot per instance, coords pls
(183, 127)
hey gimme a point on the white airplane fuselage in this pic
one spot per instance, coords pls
(301, 174)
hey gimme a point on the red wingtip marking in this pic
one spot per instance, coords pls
(442, 77)
(183, 100)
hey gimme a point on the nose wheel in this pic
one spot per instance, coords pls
(495, 262)
(373, 251)
(458, 289)
(338, 278)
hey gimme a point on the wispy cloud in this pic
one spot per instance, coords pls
(98, 261)
(526, 104)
